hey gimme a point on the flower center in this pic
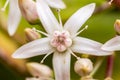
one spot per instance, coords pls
(61, 40)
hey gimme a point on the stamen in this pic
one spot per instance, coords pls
(4, 7)
(40, 32)
(110, 2)
(60, 21)
(45, 57)
(74, 54)
(81, 30)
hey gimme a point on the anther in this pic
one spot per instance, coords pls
(110, 2)
(60, 21)
(81, 30)
(40, 32)
(4, 7)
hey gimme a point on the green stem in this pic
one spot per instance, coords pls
(97, 65)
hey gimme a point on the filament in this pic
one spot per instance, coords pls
(60, 20)
(5, 5)
(81, 31)
(74, 55)
(45, 57)
(40, 32)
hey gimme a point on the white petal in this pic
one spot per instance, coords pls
(87, 46)
(32, 78)
(56, 4)
(61, 64)
(14, 17)
(46, 16)
(34, 48)
(40, 78)
(112, 45)
(79, 18)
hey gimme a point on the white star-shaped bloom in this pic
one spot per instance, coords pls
(61, 40)
(14, 16)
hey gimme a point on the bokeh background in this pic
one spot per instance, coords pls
(101, 28)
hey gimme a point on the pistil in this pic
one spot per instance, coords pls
(61, 40)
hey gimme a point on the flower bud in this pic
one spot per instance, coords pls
(83, 66)
(41, 78)
(32, 78)
(117, 26)
(29, 11)
(31, 34)
(39, 70)
(87, 78)
(115, 2)
(108, 78)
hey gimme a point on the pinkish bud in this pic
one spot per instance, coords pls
(117, 26)
(28, 10)
(31, 34)
(115, 2)
(83, 66)
(39, 70)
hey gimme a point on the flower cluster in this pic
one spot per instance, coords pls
(61, 40)
(28, 10)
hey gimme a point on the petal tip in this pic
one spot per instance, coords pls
(63, 6)
(59, 4)
(11, 29)
(16, 56)
(11, 32)
(92, 5)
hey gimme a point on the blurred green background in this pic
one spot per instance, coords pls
(101, 28)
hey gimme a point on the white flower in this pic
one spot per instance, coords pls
(112, 44)
(62, 41)
(14, 16)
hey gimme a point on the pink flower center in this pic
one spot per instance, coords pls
(61, 40)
